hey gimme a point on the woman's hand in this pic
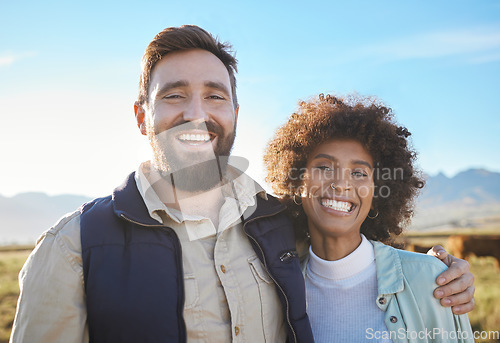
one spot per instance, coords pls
(456, 283)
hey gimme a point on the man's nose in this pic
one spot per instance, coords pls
(195, 110)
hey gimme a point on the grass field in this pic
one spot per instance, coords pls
(485, 317)
(10, 264)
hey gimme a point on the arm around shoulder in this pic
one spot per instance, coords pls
(420, 273)
(51, 306)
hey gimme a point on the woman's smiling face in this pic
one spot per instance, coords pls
(340, 211)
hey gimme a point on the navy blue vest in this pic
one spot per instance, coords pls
(133, 269)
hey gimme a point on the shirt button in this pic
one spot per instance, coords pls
(223, 268)
(236, 330)
(394, 319)
(382, 301)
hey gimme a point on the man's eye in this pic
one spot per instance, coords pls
(216, 97)
(172, 96)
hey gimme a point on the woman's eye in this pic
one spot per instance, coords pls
(359, 174)
(325, 168)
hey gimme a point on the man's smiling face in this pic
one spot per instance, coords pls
(190, 118)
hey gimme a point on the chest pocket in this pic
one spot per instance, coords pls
(191, 293)
(271, 310)
(192, 309)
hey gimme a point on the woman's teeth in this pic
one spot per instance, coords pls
(342, 206)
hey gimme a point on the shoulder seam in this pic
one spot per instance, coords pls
(74, 264)
(62, 222)
(54, 231)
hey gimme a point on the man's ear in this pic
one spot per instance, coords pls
(140, 117)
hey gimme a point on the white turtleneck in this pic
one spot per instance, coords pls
(341, 296)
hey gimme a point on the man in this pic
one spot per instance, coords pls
(189, 248)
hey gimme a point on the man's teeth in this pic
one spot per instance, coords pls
(196, 138)
(343, 206)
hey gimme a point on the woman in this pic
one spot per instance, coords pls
(346, 171)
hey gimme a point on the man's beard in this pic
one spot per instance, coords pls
(192, 171)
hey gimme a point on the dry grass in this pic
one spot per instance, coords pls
(486, 315)
(10, 265)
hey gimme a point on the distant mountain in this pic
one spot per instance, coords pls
(471, 187)
(461, 200)
(24, 217)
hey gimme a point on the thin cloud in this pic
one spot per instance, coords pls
(8, 59)
(445, 44)
(489, 58)
(477, 45)
(441, 44)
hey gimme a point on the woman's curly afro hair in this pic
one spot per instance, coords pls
(361, 119)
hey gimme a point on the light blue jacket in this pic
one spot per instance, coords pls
(406, 282)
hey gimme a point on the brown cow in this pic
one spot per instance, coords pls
(465, 246)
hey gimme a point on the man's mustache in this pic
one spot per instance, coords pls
(184, 125)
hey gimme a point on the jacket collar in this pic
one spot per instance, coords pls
(389, 269)
(128, 202)
(237, 186)
(263, 207)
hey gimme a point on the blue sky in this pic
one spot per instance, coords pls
(69, 75)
